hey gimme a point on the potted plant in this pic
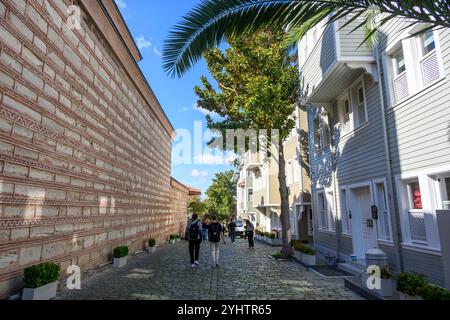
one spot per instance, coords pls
(41, 281)
(151, 245)
(172, 238)
(308, 255)
(409, 285)
(273, 241)
(386, 283)
(120, 256)
(432, 292)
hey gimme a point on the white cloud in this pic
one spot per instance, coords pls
(198, 173)
(142, 43)
(157, 52)
(209, 159)
(204, 111)
(121, 4)
(185, 109)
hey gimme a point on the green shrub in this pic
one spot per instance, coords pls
(385, 273)
(41, 274)
(151, 242)
(298, 246)
(432, 292)
(172, 237)
(309, 251)
(120, 252)
(272, 235)
(411, 282)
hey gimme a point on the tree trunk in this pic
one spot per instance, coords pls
(284, 196)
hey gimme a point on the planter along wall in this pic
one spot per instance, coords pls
(45, 292)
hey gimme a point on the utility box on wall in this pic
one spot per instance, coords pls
(443, 221)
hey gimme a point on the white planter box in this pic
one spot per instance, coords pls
(405, 296)
(386, 286)
(151, 249)
(297, 255)
(119, 262)
(46, 292)
(309, 260)
(275, 242)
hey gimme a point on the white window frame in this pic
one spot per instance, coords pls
(322, 121)
(346, 221)
(412, 52)
(323, 225)
(356, 105)
(331, 210)
(440, 191)
(388, 213)
(427, 184)
(289, 178)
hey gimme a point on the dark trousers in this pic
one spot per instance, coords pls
(232, 235)
(251, 243)
(194, 249)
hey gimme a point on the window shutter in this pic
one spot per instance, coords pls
(429, 68)
(401, 87)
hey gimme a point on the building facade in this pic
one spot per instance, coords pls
(379, 142)
(85, 146)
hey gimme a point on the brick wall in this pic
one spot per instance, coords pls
(84, 149)
(178, 207)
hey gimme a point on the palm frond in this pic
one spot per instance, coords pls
(213, 21)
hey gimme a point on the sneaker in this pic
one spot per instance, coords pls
(192, 265)
(217, 265)
(196, 262)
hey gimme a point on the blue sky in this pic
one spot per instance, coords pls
(149, 23)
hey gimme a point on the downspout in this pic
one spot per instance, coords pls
(395, 222)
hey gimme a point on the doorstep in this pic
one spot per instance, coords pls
(355, 284)
(353, 267)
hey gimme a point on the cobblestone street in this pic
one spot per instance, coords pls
(243, 274)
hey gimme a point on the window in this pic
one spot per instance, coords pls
(250, 195)
(429, 65)
(321, 204)
(444, 185)
(321, 132)
(401, 90)
(427, 42)
(345, 213)
(399, 61)
(416, 213)
(361, 107)
(331, 212)
(289, 172)
(296, 166)
(384, 225)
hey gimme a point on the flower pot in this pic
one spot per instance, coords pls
(386, 286)
(172, 241)
(45, 292)
(297, 255)
(151, 249)
(309, 260)
(119, 262)
(405, 296)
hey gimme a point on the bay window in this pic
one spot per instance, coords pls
(416, 213)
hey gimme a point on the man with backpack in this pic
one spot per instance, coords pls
(216, 233)
(193, 235)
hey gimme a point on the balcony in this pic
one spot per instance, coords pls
(253, 160)
(335, 61)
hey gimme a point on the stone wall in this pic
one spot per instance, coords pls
(178, 207)
(84, 146)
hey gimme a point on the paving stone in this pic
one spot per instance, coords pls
(242, 274)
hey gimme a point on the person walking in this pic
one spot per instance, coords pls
(194, 236)
(216, 233)
(250, 233)
(231, 230)
(205, 225)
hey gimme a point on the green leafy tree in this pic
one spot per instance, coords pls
(197, 205)
(258, 90)
(212, 21)
(221, 195)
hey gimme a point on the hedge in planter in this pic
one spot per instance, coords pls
(120, 252)
(41, 274)
(151, 242)
(432, 292)
(411, 283)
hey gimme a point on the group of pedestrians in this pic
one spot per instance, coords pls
(209, 229)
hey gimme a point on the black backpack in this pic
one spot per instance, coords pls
(194, 231)
(214, 232)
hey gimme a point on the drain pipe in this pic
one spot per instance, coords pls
(395, 222)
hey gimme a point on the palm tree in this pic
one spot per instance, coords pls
(211, 21)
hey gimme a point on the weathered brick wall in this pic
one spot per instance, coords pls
(84, 161)
(178, 208)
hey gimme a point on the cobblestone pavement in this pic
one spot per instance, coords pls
(243, 274)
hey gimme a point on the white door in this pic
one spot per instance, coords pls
(363, 226)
